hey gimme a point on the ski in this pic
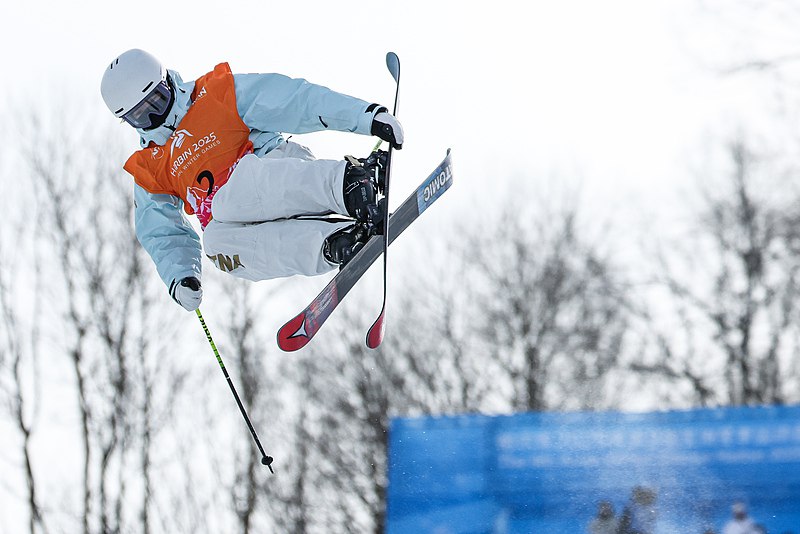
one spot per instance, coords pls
(376, 331)
(296, 333)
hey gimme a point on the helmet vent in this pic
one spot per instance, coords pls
(148, 86)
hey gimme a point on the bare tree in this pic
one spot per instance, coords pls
(759, 34)
(108, 323)
(734, 287)
(347, 394)
(20, 352)
(550, 307)
(259, 384)
(293, 506)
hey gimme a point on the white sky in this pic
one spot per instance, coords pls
(602, 93)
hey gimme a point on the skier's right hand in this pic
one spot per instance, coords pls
(387, 127)
(187, 292)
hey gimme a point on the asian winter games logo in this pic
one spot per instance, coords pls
(178, 138)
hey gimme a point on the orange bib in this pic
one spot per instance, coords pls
(200, 155)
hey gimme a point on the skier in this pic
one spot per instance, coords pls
(215, 147)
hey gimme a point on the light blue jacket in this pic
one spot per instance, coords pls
(269, 104)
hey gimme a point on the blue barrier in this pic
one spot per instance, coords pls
(546, 472)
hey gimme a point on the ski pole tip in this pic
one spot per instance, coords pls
(267, 460)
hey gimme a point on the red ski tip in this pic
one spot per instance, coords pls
(375, 334)
(293, 335)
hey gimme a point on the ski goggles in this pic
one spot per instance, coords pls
(151, 111)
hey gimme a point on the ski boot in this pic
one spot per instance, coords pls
(341, 246)
(375, 164)
(364, 180)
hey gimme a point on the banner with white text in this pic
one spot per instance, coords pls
(678, 471)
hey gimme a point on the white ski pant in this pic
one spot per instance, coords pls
(269, 218)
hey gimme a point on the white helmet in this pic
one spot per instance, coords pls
(135, 88)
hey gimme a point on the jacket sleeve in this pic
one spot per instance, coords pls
(166, 235)
(277, 103)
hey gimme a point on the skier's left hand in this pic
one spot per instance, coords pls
(387, 127)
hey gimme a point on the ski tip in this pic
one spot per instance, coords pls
(375, 334)
(293, 335)
(393, 64)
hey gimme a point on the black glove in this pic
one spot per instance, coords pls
(387, 127)
(187, 293)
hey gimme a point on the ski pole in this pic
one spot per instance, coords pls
(266, 460)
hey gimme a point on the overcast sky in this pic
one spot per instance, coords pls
(608, 94)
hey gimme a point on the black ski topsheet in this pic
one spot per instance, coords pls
(296, 333)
